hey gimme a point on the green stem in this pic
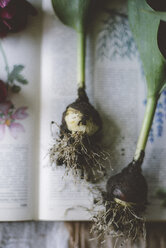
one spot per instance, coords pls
(81, 59)
(146, 126)
(4, 58)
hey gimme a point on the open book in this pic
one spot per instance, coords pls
(30, 188)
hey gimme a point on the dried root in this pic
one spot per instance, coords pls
(119, 220)
(80, 154)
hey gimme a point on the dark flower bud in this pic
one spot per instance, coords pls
(14, 15)
(3, 91)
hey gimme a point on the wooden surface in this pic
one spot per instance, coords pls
(56, 235)
(80, 237)
(43, 234)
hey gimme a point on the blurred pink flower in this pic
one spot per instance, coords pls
(8, 118)
(20, 113)
(4, 3)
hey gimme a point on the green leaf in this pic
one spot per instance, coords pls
(73, 13)
(16, 76)
(161, 193)
(144, 22)
(16, 89)
(164, 203)
(16, 70)
(160, 14)
(19, 78)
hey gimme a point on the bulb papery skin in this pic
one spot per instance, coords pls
(124, 203)
(78, 147)
(81, 116)
(73, 119)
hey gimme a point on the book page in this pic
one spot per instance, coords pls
(58, 195)
(19, 124)
(120, 96)
(116, 86)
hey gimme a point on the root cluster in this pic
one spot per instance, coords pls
(80, 154)
(119, 221)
